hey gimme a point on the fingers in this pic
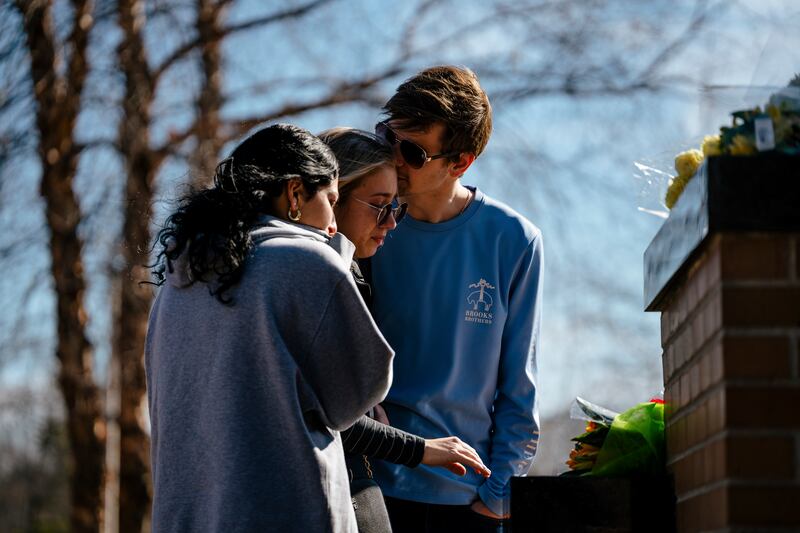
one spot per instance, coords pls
(456, 468)
(474, 461)
(470, 458)
(449, 451)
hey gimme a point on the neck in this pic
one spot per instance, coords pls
(439, 206)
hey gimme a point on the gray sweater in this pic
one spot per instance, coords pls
(246, 400)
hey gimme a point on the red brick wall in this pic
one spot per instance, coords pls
(731, 339)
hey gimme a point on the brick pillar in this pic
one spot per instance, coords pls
(731, 339)
(730, 330)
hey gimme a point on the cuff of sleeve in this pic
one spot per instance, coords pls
(418, 444)
(497, 504)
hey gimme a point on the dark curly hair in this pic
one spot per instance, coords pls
(212, 226)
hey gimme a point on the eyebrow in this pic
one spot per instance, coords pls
(386, 194)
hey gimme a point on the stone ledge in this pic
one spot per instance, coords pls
(611, 505)
(728, 194)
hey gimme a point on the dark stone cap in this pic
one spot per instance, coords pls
(728, 194)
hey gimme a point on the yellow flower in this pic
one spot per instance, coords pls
(774, 113)
(686, 163)
(676, 186)
(711, 145)
(742, 145)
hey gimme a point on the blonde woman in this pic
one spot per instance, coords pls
(367, 210)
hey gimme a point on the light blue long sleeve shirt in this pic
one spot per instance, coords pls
(460, 302)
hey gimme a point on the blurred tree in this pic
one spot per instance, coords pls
(57, 91)
(141, 163)
(521, 50)
(33, 495)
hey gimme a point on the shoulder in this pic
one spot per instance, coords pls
(307, 257)
(499, 217)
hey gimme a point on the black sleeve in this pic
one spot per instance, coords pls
(365, 266)
(373, 439)
(361, 284)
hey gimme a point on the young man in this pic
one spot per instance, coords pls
(458, 290)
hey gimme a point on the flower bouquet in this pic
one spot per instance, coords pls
(776, 128)
(614, 444)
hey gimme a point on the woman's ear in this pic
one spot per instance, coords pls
(458, 168)
(294, 192)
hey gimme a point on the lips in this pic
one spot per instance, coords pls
(378, 239)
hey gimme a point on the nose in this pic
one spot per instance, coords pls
(390, 222)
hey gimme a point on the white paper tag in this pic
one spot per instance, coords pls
(765, 134)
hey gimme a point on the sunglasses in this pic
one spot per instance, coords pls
(385, 210)
(413, 154)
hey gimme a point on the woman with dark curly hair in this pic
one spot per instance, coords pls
(259, 347)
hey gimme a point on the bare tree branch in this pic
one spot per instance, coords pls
(182, 51)
(699, 18)
(16, 339)
(10, 250)
(410, 31)
(206, 127)
(95, 143)
(346, 92)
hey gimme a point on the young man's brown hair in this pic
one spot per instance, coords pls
(450, 95)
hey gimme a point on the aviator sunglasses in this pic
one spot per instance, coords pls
(385, 210)
(413, 154)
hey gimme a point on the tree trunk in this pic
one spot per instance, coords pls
(134, 298)
(58, 104)
(135, 490)
(113, 397)
(204, 160)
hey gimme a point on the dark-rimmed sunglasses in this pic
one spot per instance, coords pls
(413, 154)
(385, 210)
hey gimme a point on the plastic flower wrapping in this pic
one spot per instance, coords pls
(775, 129)
(618, 444)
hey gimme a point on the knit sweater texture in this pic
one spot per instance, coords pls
(247, 400)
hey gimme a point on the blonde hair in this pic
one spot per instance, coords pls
(358, 153)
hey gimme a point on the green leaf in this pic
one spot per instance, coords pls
(593, 438)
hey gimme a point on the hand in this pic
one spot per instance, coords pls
(479, 507)
(453, 454)
(380, 415)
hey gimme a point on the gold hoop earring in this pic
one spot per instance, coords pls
(294, 218)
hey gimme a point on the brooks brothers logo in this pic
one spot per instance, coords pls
(480, 302)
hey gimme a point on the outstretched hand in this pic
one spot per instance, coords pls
(453, 454)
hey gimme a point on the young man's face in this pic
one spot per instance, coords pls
(434, 175)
